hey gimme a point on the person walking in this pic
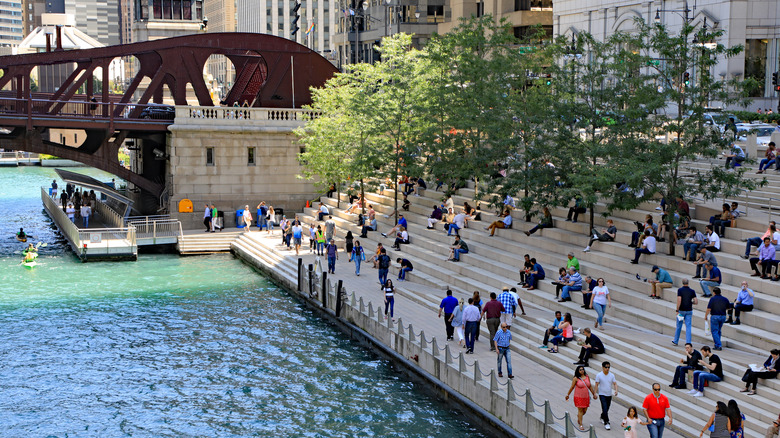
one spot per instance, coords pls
(657, 408)
(491, 311)
(686, 299)
(383, 265)
(357, 256)
(330, 228)
(630, 423)
(86, 212)
(501, 344)
(471, 316)
(297, 231)
(606, 388)
(321, 241)
(581, 386)
(389, 298)
(716, 315)
(448, 305)
(456, 320)
(247, 216)
(207, 218)
(599, 300)
(719, 421)
(333, 254)
(509, 304)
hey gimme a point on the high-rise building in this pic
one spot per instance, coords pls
(100, 19)
(12, 29)
(754, 24)
(221, 73)
(522, 14)
(275, 17)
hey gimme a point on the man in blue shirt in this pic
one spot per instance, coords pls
(504, 222)
(471, 317)
(574, 284)
(448, 305)
(536, 274)
(508, 301)
(401, 224)
(501, 342)
(716, 311)
(333, 255)
(662, 281)
(713, 279)
(553, 330)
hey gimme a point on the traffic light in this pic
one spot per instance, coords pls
(686, 79)
(296, 16)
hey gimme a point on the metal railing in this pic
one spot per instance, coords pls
(84, 109)
(244, 113)
(108, 215)
(66, 227)
(155, 228)
(107, 241)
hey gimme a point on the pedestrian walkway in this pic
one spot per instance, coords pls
(420, 307)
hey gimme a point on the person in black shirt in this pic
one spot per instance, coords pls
(406, 266)
(713, 372)
(592, 345)
(768, 371)
(716, 311)
(689, 362)
(686, 298)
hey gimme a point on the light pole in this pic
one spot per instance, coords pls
(362, 15)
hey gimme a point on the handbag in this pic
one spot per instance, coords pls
(707, 331)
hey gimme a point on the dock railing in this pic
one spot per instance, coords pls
(67, 228)
(156, 227)
(108, 215)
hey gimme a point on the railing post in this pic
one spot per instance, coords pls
(510, 391)
(400, 327)
(569, 426)
(325, 289)
(477, 372)
(338, 297)
(423, 341)
(435, 348)
(548, 416)
(311, 280)
(447, 354)
(300, 274)
(493, 380)
(529, 402)
(461, 363)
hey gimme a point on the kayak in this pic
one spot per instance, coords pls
(29, 265)
(21, 239)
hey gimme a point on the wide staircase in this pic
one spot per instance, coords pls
(197, 242)
(634, 321)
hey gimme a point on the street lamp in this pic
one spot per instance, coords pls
(355, 16)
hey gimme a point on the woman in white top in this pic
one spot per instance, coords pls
(247, 218)
(71, 212)
(389, 297)
(270, 217)
(599, 301)
(456, 320)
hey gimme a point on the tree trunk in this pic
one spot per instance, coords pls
(338, 195)
(592, 219)
(363, 198)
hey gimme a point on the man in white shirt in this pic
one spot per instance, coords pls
(458, 223)
(713, 241)
(648, 247)
(86, 211)
(605, 382)
(323, 212)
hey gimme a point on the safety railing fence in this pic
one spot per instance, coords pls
(245, 113)
(108, 215)
(67, 228)
(108, 241)
(517, 409)
(85, 109)
(154, 228)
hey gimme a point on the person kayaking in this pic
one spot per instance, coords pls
(21, 235)
(31, 248)
(30, 256)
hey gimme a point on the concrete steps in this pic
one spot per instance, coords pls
(206, 243)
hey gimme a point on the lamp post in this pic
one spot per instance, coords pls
(361, 14)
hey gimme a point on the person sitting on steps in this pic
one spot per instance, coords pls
(546, 221)
(606, 235)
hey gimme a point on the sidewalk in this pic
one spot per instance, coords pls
(419, 307)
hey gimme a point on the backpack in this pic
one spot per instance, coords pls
(384, 261)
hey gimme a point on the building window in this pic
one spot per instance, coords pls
(209, 156)
(250, 156)
(480, 9)
(755, 65)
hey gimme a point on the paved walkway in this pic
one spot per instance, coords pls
(543, 383)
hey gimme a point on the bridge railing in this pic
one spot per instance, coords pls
(108, 215)
(151, 227)
(67, 228)
(85, 109)
(295, 115)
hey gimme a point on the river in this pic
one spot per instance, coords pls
(170, 346)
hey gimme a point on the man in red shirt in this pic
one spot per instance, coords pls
(657, 408)
(492, 310)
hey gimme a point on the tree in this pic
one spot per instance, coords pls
(653, 157)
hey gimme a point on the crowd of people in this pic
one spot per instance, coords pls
(463, 317)
(76, 203)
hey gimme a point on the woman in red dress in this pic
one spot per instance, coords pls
(580, 384)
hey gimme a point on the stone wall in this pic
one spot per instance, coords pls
(231, 181)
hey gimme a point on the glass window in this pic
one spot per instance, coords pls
(177, 4)
(166, 9)
(250, 161)
(187, 9)
(209, 156)
(755, 65)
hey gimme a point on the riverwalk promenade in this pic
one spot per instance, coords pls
(419, 306)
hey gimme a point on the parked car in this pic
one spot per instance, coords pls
(719, 120)
(158, 111)
(762, 130)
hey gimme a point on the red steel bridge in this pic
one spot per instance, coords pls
(271, 72)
